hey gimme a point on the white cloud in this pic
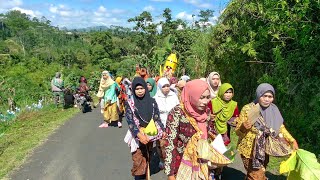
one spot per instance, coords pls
(65, 11)
(148, 8)
(53, 9)
(117, 11)
(8, 4)
(28, 12)
(184, 16)
(199, 3)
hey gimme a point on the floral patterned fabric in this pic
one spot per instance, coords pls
(179, 132)
(247, 139)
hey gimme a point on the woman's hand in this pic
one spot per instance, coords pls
(247, 125)
(143, 138)
(171, 178)
(164, 135)
(295, 145)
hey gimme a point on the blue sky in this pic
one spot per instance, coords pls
(86, 13)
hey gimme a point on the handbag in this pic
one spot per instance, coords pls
(151, 129)
(277, 147)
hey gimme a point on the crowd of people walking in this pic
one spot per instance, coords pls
(181, 117)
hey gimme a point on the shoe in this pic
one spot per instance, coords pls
(119, 125)
(104, 125)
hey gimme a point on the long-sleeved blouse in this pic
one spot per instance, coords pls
(179, 132)
(131, 116)
(247, 137)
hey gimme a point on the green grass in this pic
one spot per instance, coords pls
(28, 131)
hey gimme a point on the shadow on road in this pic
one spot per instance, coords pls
(231, 173)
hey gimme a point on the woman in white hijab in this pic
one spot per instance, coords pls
(214, 83)
(165, 99)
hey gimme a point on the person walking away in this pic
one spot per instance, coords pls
(262, 133)
(57, 86)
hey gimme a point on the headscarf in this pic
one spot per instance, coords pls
(185, 78)
(181, 84)
(191, 94)
(118, 80)
(173, 80)
(144, 104)
(153, 91)
(58, 74)
(161, 82)
(104, 83)
(82, 80)
(271, 114)
(224, 110)
(209, 81)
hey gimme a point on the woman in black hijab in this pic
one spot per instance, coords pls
(141, 109)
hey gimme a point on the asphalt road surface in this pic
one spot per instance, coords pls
(79, 150)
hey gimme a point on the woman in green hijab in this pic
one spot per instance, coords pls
(225, 111)
(151, 84)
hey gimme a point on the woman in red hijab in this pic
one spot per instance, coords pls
(188, 126)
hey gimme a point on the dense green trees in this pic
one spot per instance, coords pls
(277, 42)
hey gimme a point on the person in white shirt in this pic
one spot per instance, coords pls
(165, 99)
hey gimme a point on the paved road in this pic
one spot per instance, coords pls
(79, 150)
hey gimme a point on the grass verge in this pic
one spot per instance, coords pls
(28, 131)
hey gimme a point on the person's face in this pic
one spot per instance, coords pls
(215, 80)
(227, 96)
(149, 87)
(266, 99)
(140, 91)
(104, 76)
(203, 100)
(165, 89)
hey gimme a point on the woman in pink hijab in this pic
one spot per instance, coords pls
(187, 124)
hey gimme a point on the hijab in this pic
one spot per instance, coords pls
(161, 82)
(173, 80)
(104, 83)
(144, 104)
(153, 91)
(58, 74)
(185, 78)
(191, 94)
(271, 114)
(83, 79)
(209, 81)
(223, 109)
